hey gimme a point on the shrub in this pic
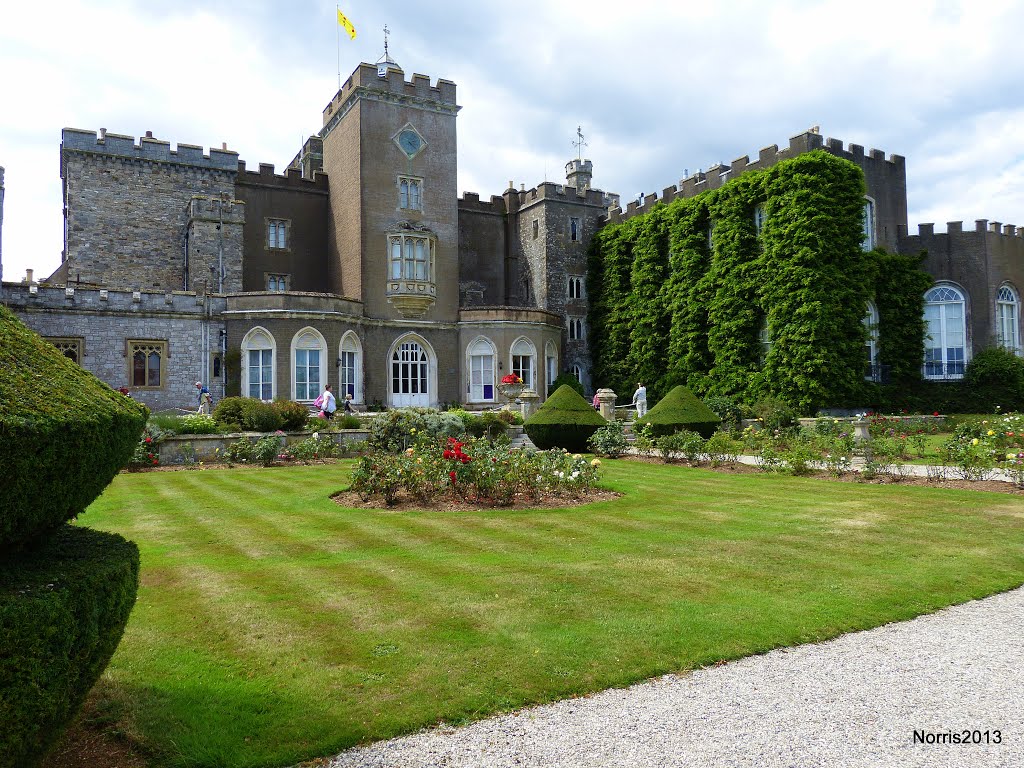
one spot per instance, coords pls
(228, 412)
(316, 448)
(681, 409)
(510, 417)
(721, 448)
(240, 451)
(197, 424)
(64, 434)
(728, 410)
(475, 470)
(568, 379)
(63, 609)
(397, 429)
(995, 376)
(293, 415)
(609, 440)
(774, 413)
(258, 416)
(799, 456)
(348, 421)
(565, 420)
(685, 443)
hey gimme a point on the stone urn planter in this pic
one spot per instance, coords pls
(511, 387)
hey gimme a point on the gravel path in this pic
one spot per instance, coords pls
(852, 702)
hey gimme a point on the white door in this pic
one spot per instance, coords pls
(409, 376)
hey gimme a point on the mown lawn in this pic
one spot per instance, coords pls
(274, 626)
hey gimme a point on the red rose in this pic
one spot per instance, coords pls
(149, 439)
(452, 476)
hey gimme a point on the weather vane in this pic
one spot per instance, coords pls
(579, 143)
(386, 33)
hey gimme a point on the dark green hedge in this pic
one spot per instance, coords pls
(64, 434)
(63, 608)
(672, 305)
(681, 409)
(565, 420)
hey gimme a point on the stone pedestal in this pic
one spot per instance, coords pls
(529, 401)
(606, 398)
(860, 431)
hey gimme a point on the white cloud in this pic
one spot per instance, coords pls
(657, 87)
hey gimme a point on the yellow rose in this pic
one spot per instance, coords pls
(974, 441)
(595, 463)
(990, 433)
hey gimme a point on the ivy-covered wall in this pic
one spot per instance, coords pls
(680, 294)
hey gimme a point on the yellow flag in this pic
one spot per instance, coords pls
(346, 24)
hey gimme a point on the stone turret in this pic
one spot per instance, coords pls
(578, 174)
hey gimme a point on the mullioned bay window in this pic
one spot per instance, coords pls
(411, 257)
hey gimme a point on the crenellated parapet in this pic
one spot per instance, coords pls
(955, 228)
(365, 82)
(148, 149)
(292, 178)
(550, 191)
(133, 301)
(874, 162)
(470, 201)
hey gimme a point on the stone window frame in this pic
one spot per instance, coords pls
(577, 329)
(945, 296)
(282, 228)
(536, 228)
(523, 361)
(405, 196)
(869, 226)
(574, 287)
(575, 229)
(760, 217)
(283, 281)
(159, 346)
(65, 344)
(1008, 318)
(407, 262)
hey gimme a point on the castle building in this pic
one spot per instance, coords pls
(360, 266)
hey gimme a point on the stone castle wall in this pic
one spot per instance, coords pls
(127, 206)
(104, 320)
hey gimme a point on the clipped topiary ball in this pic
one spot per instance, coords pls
(64, 434)
(565, 420)
(681, 409)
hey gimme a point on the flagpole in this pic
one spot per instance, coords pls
(337, 28)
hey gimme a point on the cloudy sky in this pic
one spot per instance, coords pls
(658, 87)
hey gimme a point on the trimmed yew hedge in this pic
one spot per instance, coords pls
(65, 592)
(64, 434)
(63, 609)
(565, 420)
(681, 409)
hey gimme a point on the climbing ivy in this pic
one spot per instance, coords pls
(672, 305)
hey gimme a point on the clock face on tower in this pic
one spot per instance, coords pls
(409, 141)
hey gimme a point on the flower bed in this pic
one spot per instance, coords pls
(473, 470)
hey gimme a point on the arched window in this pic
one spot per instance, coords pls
(577, 371)
(759, 219)
(869, 224)
(524, 356)
(481, 370)
(350, 367)
(309, 351)
(1008, 319)
(870, 320)
(258, 364)
(945, 333)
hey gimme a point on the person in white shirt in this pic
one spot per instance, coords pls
(640, 400)
(330, 404)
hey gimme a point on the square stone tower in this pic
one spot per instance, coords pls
(389, 151)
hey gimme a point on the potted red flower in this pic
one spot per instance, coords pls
(511, 386)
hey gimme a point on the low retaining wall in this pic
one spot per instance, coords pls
(181, 448)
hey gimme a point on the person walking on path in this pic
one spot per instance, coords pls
(204, 398)
(640, 400)
(329, 404)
